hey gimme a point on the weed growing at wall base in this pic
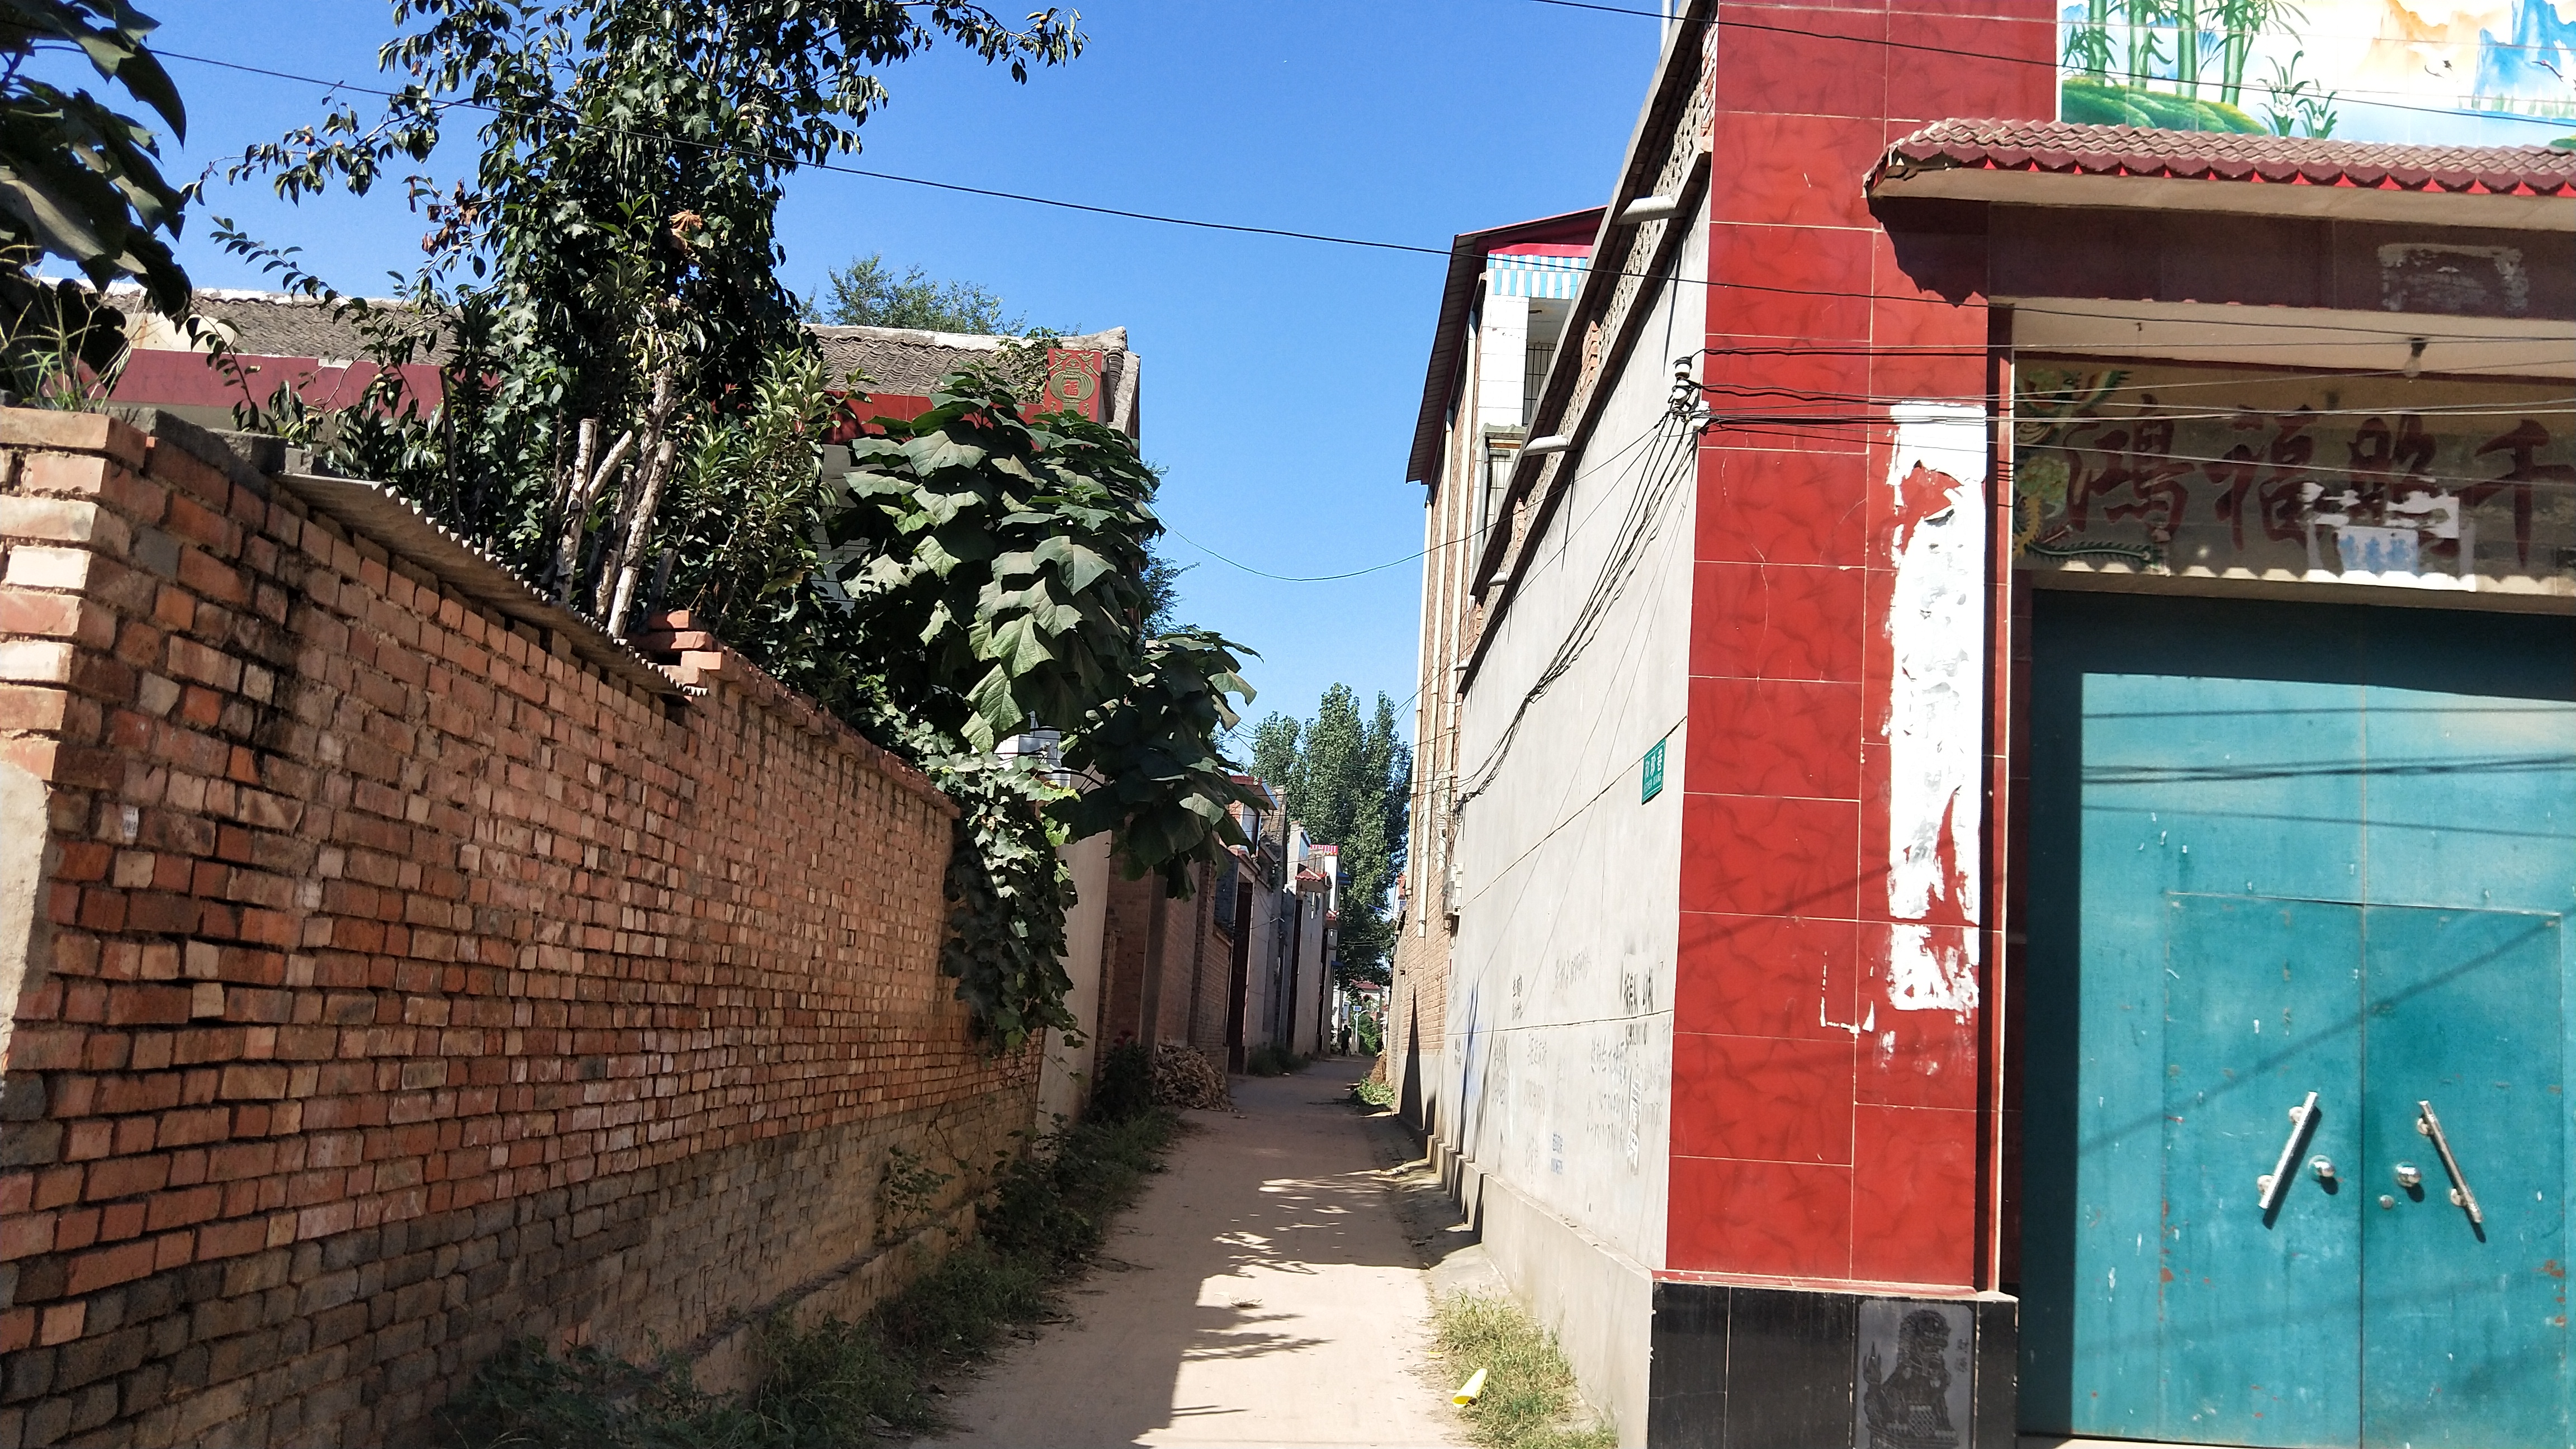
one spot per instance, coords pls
(1269, 1060)
(838, 1384)
(1529, 1400)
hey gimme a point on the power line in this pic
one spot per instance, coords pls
(1758, 426)
(1637, 528)
(776, 156)
(1422, 553)
(2056, 354)
(2149, 410)
(1239, 228)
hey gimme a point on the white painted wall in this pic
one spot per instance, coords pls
(1559, 1038)
(1502, 353)
(1314, 982)
(1064, 1079)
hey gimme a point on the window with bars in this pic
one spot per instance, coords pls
(1541, 353)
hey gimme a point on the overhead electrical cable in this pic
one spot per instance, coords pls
(1242, 228)
(1420, 553)
(803, 164)
(2148, 411)
(2030, 359)
(1636, 529)
(2049, 20)
(1771, 427)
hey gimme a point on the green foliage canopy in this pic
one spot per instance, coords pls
(998, 582)
(616, 242)
(867, 293)
(1349, 779)
(81, 181)
(625, 377)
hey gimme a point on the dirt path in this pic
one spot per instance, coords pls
(1265, 1291)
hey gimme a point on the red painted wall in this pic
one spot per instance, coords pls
(1797, 1153)
(158, 378)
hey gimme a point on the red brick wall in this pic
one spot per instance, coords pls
(397, 984)
(1164, 962)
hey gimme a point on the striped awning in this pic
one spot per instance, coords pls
(1534, 276)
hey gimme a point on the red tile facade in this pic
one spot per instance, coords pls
(1817, 1133)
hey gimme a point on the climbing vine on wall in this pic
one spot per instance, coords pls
(997, 571)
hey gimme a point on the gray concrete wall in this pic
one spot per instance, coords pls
(1598, 1301)
(1064, 1081)
(1560, 991)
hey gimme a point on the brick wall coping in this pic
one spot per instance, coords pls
(375, 512)
(379, 513)
(696, 659)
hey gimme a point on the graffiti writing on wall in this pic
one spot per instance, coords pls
(2423, 483)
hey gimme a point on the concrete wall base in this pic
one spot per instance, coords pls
(1701, 1364)
(1737, 1366)
(1598, 1301)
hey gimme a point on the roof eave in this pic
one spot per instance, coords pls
(1467, 254)
(2024, 187)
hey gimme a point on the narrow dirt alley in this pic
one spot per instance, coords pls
(1264, 1291)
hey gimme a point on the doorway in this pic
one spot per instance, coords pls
(2296, 1134)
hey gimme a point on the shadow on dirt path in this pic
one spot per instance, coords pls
(1268, 1289)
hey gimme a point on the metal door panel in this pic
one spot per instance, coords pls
(2184, 750)
(2464, 1324)
(2261, 1310)
(2472, 800)
(2188, 787)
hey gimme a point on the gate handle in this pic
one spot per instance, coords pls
(2277, 1181)
(2461, 1196)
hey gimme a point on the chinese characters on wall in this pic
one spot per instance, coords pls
(2230, 472)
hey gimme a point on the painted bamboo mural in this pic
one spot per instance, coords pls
(2480, 72)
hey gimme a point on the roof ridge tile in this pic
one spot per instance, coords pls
(2008, 145)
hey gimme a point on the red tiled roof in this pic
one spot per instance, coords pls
(2056, 146)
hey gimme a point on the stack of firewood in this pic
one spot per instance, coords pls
(1184, 1077)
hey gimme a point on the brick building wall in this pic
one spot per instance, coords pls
(1166, 968)
(388, 983)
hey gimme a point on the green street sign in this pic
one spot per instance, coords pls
(1652, 784)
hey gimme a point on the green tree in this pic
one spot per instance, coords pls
(80, 181)
(624, 379)
(1274, 751)
(1162, 591)
(1000, 583)
(1349, 780)
(609, 270)
(867, 293)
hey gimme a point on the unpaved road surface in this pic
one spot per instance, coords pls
(1265, 1290)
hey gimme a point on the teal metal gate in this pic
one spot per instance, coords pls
(2296, 1136)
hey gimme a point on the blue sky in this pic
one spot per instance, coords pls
(1280, 377)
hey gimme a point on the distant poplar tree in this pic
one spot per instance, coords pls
(1349, 779)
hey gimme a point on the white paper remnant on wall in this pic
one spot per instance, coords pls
(1935, 708)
